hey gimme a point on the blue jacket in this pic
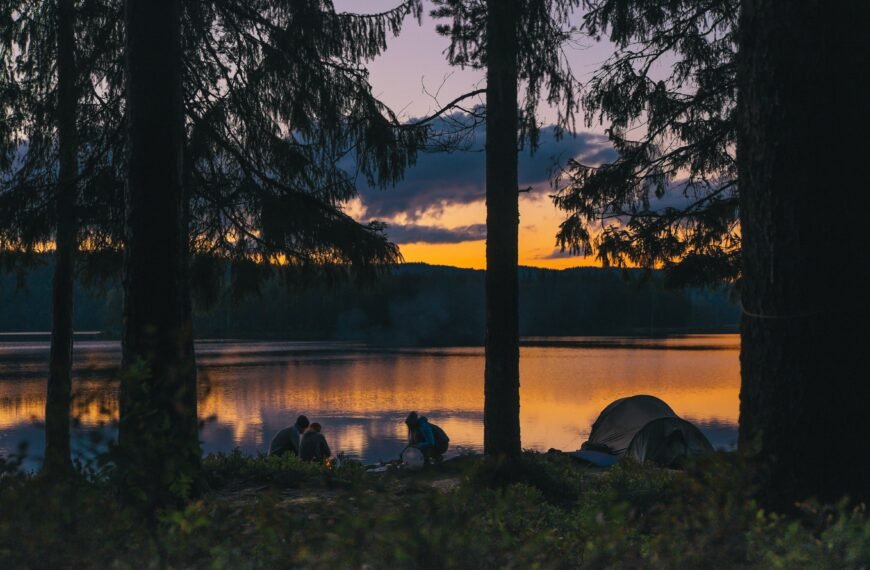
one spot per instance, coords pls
(421, 436)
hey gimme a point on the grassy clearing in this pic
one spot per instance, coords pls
(277, 513)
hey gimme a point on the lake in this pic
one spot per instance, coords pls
(361, 394)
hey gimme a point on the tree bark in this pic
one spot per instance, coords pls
(502, 375)
(158, 438)
(59, 393)
(803, 205)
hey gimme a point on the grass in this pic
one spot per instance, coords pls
(266, 512)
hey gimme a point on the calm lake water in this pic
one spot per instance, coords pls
(250, 390)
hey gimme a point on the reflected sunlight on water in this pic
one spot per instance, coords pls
(361, 395)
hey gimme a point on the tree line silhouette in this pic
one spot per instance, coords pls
(413, 304)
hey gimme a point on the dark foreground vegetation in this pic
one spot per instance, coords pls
(269, 512)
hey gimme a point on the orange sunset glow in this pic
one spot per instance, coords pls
(539, 222)
(362, 397)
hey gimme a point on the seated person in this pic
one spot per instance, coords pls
(314, 446)
(287, 440)
(425, 436)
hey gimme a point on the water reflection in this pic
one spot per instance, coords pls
(251, 390)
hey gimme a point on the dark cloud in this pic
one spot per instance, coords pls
(558, 254)
(679, 194)
(412, 233)
(442, 179)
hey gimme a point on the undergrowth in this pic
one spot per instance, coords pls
(554, 514)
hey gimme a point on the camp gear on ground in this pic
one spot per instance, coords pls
(645, 428)
(413, 458)
(597, 458)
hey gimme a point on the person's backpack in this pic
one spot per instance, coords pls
(441, 439)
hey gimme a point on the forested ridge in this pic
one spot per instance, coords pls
(413, 304)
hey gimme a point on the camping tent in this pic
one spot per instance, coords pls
(647, 429)
(618, 423)
(667, 442)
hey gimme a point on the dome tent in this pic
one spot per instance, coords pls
(667, 442)
(618, 423)
(647, 429)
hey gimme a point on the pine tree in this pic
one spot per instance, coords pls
(276, 102)
(517, 41)
(670, 197)
(158, 440)
(49, 109)
(59, 396)
(800, 154)
(273, 95)
(501, 434)
(274, 115)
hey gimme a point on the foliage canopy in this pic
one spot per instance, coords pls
(542, 66)
(276, 98)
(669, 95)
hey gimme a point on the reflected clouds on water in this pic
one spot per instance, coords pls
(250, 390)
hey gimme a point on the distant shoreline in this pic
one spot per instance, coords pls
(531, 340)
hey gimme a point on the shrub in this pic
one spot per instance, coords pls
(557, 516)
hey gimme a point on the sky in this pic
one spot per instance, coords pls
(437, 213)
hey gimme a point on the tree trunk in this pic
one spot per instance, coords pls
(803, 205)
(158, 439)
(501, 437)
(58, 398)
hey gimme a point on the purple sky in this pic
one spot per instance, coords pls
(437, 213)
(416, 58)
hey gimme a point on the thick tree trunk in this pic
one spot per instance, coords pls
(501, 437)
(58, 399)
(803, 206)
(158, 439)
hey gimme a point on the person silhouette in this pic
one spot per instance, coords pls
(313, 446)
(287, 440)
(426, 436)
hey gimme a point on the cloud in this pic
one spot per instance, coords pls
(679, 194)
(412, 233)
(558, 254)
(441, 179)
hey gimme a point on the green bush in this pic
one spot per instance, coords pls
(268, 512)
(236, 468)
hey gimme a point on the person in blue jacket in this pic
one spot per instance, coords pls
(425, 436)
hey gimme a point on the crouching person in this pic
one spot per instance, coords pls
(427, 437)
(313, 446)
